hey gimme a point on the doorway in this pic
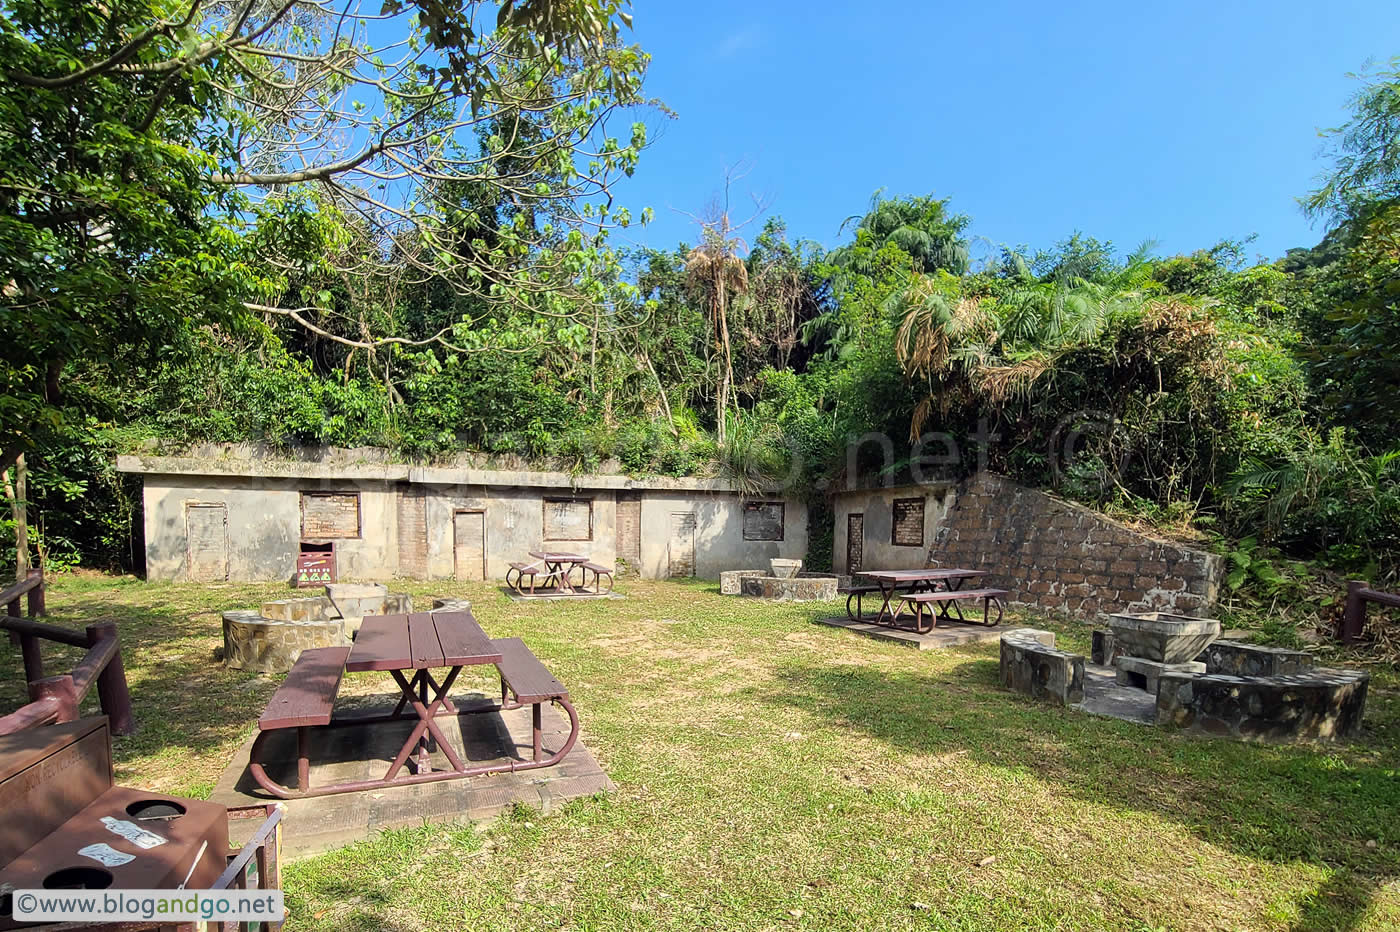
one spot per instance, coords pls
(680, 548)
(469, 545)
(855, 543)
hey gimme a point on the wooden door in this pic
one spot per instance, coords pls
(855, 543)
(469, 545)
(680, 549)
(206, 542)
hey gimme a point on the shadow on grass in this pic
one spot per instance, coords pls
(1281, 804)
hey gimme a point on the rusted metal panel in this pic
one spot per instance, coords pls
(206, 541)
(763, 520)
(680, 548)
(327, 515)
(469, 545)
(568, 519)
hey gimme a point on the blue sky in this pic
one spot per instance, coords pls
(1182, 122)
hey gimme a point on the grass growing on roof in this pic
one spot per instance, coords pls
(774, 773)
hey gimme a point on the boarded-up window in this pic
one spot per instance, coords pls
(763, 521)
(568, 519)
(330, 514)
(908, 522)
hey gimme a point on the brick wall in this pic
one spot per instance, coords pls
(1064, 557)
(330, 514)
(907, 518)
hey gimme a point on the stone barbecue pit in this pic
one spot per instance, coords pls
(784, 582)
(1158, 668)
(270, 639)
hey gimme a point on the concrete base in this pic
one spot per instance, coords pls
(947, 634)
(1103, 696)
(1143, 674)
(552, 596)
(364, 752)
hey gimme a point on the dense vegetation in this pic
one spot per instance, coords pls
(171, 279)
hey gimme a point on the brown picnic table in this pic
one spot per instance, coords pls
(410, 647)
(941, 586)
(552, 573)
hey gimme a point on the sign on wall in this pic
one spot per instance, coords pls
(568, 519)
(330, 514)
(763, 521)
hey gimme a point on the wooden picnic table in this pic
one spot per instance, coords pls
(896, 582)
(410, 647)
(422, 642)
(554, 564)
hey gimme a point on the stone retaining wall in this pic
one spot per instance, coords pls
(1064, 557)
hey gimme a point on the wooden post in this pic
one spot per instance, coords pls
(1354, 613)
(33, 659)
(111, 682)
(36, 596)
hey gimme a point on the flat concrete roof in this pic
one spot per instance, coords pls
(403, 472)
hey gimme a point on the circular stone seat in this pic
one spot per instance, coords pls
(1316, 704)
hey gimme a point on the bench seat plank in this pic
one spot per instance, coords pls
(954, 595)
(307, 694)
(527, 677)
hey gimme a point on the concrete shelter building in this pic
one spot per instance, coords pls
(232, 513)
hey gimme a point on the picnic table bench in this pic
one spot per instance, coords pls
(420, 643)
(948, 597)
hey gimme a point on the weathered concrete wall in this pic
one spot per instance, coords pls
(514, 526)
(877, 507)
(719, 534)
(264, 520)
(1064, 557)
(264, 525)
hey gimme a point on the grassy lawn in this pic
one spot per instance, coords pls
(773, 773)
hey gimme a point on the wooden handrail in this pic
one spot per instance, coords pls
(58, 698)
(43, 630)
(31, 581)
